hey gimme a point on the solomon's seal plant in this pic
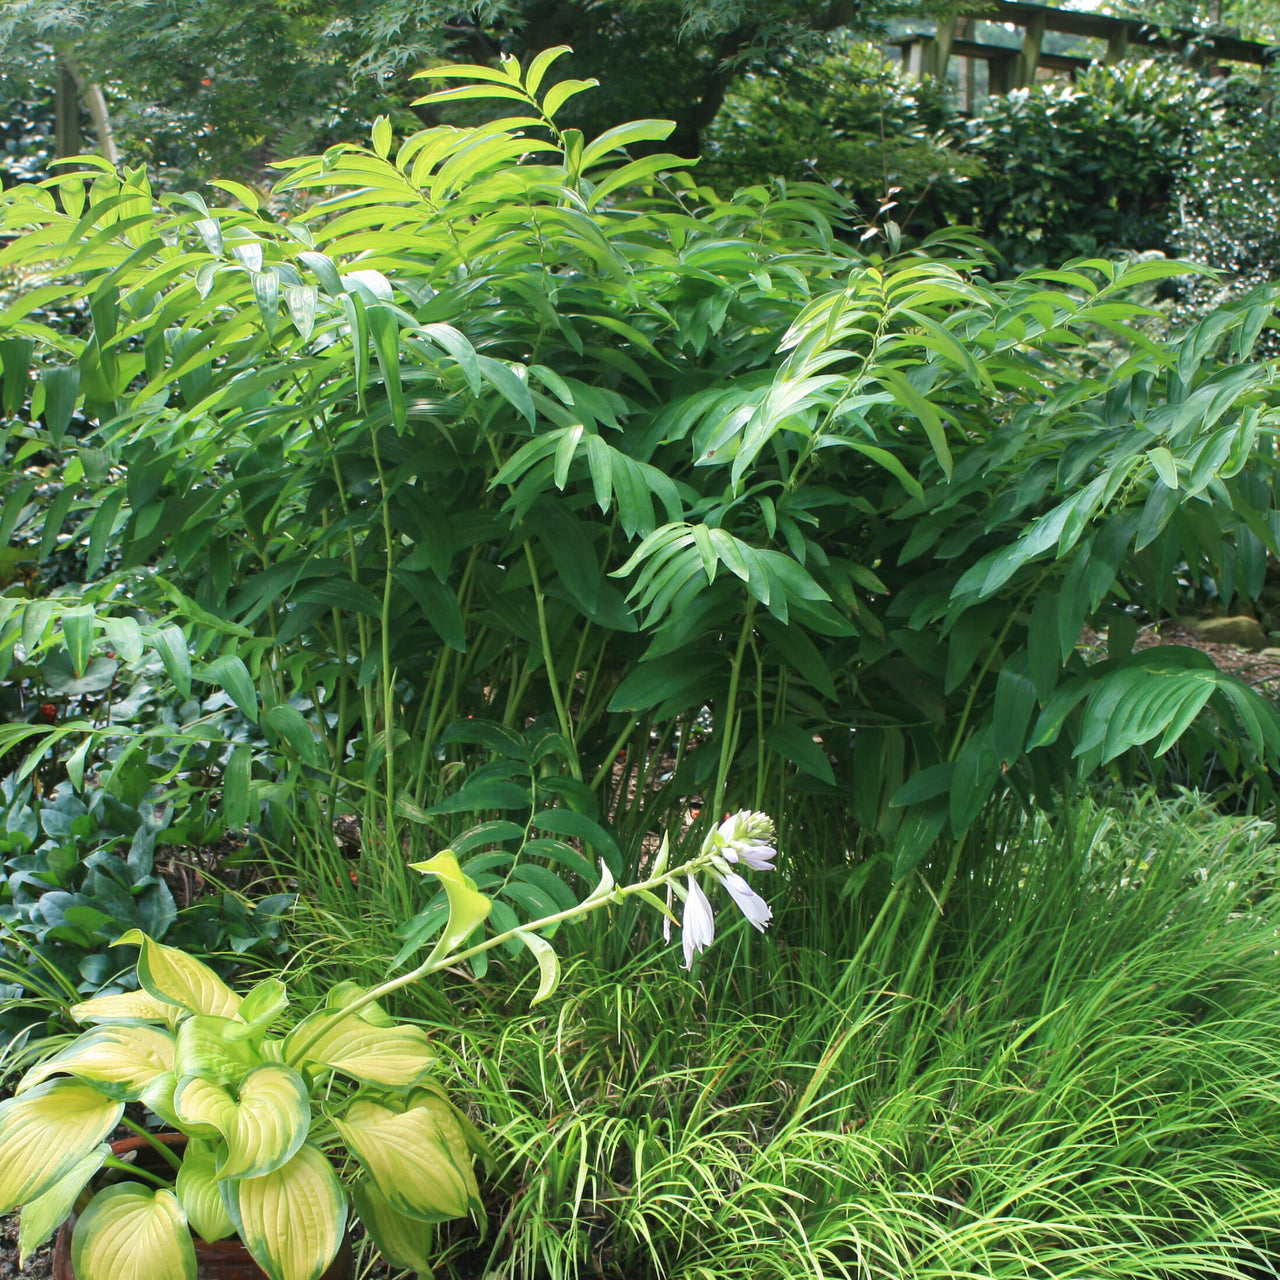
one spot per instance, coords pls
(287, 1130)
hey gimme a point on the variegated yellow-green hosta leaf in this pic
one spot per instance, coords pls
(261, 1006)
(198, 1191)
(292, 1220)
(263, 1126)
(395, 1056)
(174, 976)
(206, 1047)
(127, 1006)
(132, 1232)
(470, 1134)
(347, 992)
(468, 907)
(120, 1060)
(158, 1098)
(46, 1132)
(403, 1241)
(43, 1215)
(417, 1158)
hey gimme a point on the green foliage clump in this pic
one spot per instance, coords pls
(1084, 168)
(503, 424)
(849, 119)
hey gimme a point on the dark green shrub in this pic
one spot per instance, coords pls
(1078, 169)
(850, 120)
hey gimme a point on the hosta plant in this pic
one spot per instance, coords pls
(287, 1130)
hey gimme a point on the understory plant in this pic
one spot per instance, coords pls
(499, 425)
(267, 1116)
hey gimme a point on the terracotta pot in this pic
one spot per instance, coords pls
(223, 1260)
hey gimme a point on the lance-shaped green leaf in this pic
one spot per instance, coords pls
(215, 1049)
(201, 1197)
(418, 1158)
(172, 975)
(548, 963)
(403, 1241)
(263, 1126)
(120, 1060)
(46, 1132)
(467, 906)
(292, 1220)
(126, 1006)
(131, 1232)
(395, 1056)
(42, 1216)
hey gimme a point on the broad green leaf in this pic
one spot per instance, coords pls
(61, 390)
(933, 781)
(131, 1232)
(920, 828)
(46, 1132)
(119, 1060)
(264, 1119)
(1166, 467)
(403, 1241)
(198, 1191)
(171, 645)
(468, 908)
(548, 963)
(561, 92)
(230, 672)
(78, 629)
(395, 1056)
(174, 976)
(44, 1214)
(623, 135)
(796, 745)
(293, 1220)
(287, 722)
(418, 1158)
(569, 822)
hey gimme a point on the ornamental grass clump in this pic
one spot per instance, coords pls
(287, 1129)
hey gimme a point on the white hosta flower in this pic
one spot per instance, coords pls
(749, 902)
(744, 837)
(698, 927)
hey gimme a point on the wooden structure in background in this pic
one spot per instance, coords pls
(1014, 67)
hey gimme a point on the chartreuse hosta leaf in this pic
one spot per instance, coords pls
(42, 1216)
(403, 1241)
(132, 1232)
(262, 1005)
(396, 1056)
(198, 1191)
(292, 1220)
(173, 976)
(468, 907)
(157, 1096)
(46, 1132)
(120, 1060)
(345, 993)
(126, 1006)
(417, 1158)
(206, 1047)
(264, 1126)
